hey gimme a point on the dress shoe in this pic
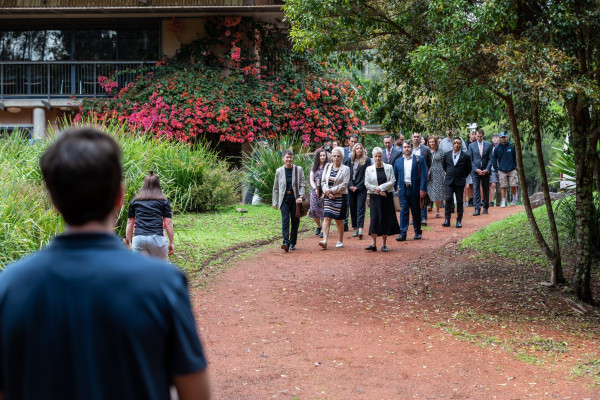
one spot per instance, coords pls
(292, 247)
(346, 228)
(401, 238)
(371, 248)
(285, 247)
(476, 213)
(491, 204)
(485, 211)
(384, 248)
(355, 234)
(317, 231)
(424, 222)
(360, 234)
(446, 222)
(418, 236)
(323, 244)
(458, 224)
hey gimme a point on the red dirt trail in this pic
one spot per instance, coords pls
(342, 324)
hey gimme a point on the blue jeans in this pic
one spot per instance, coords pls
(410, 201)
(154, 245)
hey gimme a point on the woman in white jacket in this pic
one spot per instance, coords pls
(379, 181)
(335, 192)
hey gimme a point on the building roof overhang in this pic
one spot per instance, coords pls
(140, 11)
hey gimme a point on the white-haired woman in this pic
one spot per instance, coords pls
(357, 192)
(379, 181)
(335, 189)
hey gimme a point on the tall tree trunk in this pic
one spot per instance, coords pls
(537, 234)
(556, 275)
(585, 155)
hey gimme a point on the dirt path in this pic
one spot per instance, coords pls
(347, 324)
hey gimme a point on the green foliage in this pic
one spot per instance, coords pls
(265, 160)
(27, 218)
(512, 236)
(192, 178)
(565, 210)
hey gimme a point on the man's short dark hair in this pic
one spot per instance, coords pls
(82, 171)
(387, 137)
(327, 139)
(354, 136)
(409, 142)
(286, 152)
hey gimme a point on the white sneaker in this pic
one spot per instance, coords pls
(513, 202)
(339, 244)
(503, 204)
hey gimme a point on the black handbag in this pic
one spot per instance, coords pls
(301, 208)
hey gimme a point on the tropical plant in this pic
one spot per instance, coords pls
(261, 167)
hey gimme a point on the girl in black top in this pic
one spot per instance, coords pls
(149, 212)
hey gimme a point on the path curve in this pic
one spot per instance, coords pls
(336, 324)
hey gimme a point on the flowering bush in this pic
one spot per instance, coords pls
(239, 84)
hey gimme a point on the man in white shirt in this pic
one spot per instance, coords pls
(411, 185)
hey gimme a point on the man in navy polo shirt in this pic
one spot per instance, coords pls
(85, 318)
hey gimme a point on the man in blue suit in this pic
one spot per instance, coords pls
(480, 152)
(411, 184)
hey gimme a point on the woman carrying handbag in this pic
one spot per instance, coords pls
(288, 190)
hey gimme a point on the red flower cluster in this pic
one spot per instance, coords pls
(182, 103)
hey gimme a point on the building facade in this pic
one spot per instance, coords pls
(52, 52)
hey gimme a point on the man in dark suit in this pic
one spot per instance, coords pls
(411, 184)
(457, 165)
(423, 151)
(480, 152)
(390, 153)
(348, 150)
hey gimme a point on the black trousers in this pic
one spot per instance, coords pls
(452, 190)
(357, 201)
(288, 214)
(478, 181)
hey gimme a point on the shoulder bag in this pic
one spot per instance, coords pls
(301, 208)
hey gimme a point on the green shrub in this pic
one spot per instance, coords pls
(193, 179)
(261, 166)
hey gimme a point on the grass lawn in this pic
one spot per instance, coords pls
(512, 238)
(204, 241)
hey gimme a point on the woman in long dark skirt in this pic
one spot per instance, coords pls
(379, 181)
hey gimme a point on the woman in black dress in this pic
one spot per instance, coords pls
(379, 181)
(357, 192)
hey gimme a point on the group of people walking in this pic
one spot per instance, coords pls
(411, 176)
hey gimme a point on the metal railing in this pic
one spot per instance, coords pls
(55, 79)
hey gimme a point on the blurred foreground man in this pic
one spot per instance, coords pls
(85, 318)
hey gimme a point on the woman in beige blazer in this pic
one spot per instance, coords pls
(288, 189)
(335, 189)
(379, 181)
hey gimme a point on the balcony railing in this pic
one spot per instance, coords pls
(55, 79)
